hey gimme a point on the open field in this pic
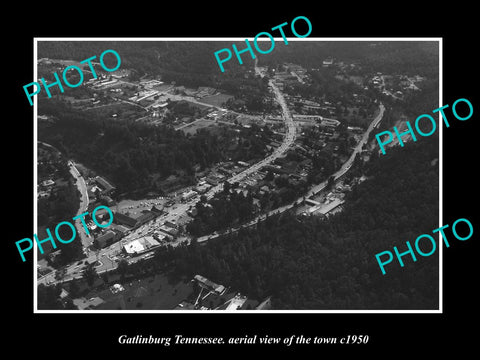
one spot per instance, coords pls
(198, 124)
(151, 293)
(135, 207)
(216, 100)
(122, 110)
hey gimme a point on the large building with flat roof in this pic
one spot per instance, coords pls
(139, 246)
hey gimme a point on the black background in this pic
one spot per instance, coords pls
(93, 334)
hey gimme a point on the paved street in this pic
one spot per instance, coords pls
(82, 188)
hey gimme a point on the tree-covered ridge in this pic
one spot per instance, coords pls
(316, 264)
(189, 63)
(192, 63)
(391, 57)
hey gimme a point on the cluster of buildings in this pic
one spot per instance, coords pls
(124, 224)
(208, 295)
(199, 294)
(395, 85)
(199, 93)
(44, 189)
(49, 164)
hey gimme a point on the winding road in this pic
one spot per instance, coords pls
(82, 188)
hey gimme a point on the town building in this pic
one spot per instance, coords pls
(105, 186)
(123, 219)
(209, 285)
(105, 239)
(139, 246)
(168, 230)
(145, 217)
(327, 62)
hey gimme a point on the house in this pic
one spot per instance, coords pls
(145, 217)
(209, 285)
(203, 91)
(193, 212)
(119, 230)
(157, 235)
(168, 230)
(64, 293)
(108, 200)
(43, 195)
(48, 183)
(105, 185)
(105, 239)
(123, 219)
(212, 181)
(327, 62)
(188, 195)
(170, 224)
(202, 188)
(156, 211)
(265, 305)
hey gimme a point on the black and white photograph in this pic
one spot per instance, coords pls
(193, 179)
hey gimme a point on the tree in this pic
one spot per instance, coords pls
(49, 297)
(122, 268)
(226, 187)
(331, 182)
(270, 176)
(105, 277)
(90, 274)
(74, 289)
(60, 273)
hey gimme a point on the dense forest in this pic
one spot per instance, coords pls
(62, 204)
(317, 264)
(389, 57)
(188, 63)
(187, 57)
(225, 209)
(135, 155)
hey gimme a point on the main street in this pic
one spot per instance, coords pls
(286, 143)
